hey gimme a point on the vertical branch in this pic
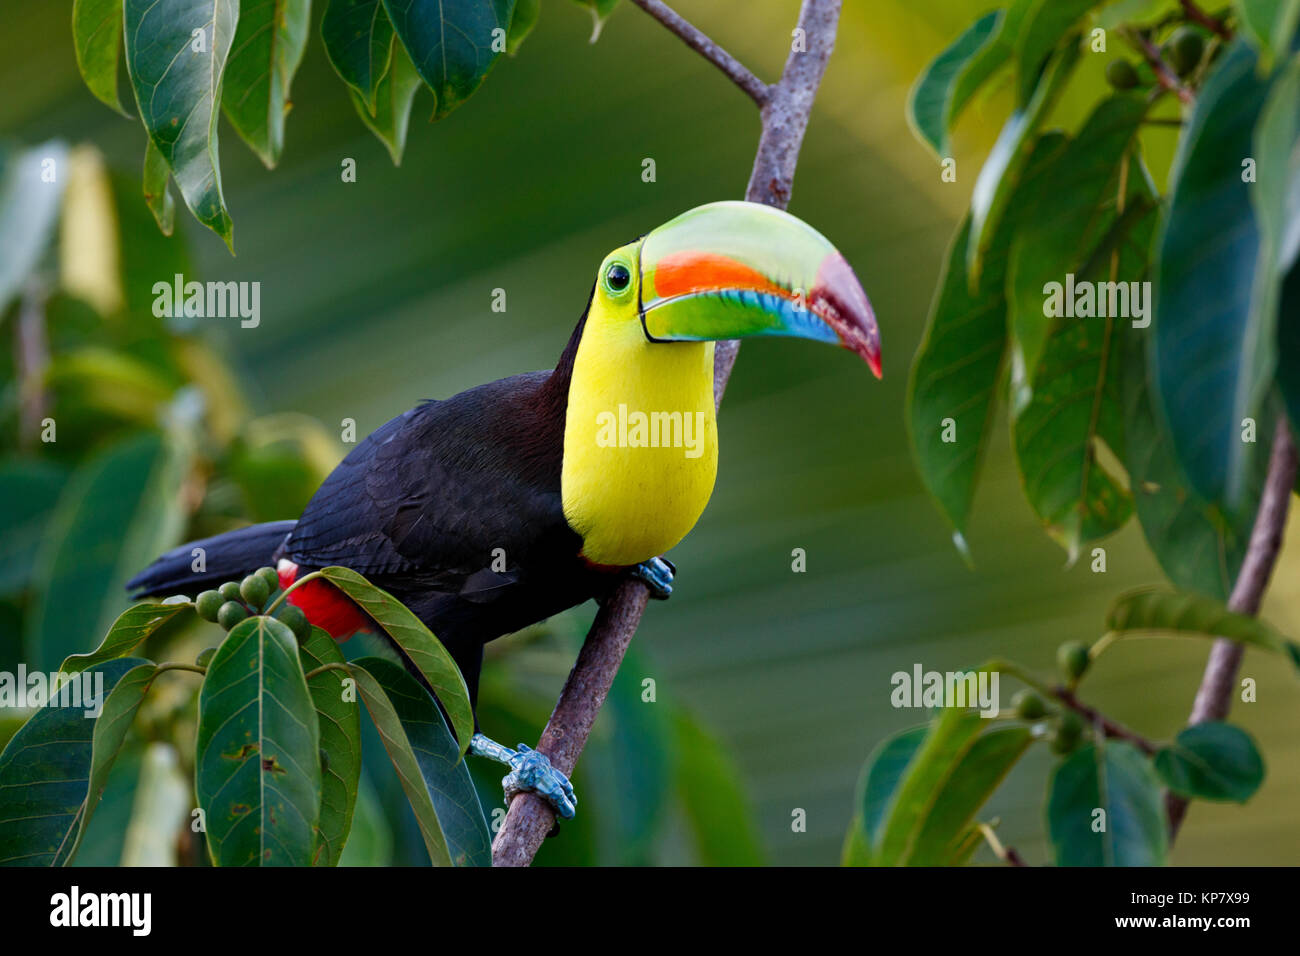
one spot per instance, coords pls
(785, 110)
(1214, 697)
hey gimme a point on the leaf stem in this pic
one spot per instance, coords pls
(177, 666)
(332, 666)
(701, 43)
(289, 590)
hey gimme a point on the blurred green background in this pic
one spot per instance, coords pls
(376, 294)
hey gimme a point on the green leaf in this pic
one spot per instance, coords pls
(268, 46)
(1060, 229)
(177, 88)
(1199, 546)
(880, 777)
(998, 178)
(157, 191)
(394, 93)
(716, 805)
(417, 642)
(1183, 615)
(436, 781)
(29, 209)
(968, 787)
(958, 366)
(1276, 195)
(53, 770)
(521, 23)
(1214, 324)
(600, 11)
(359, 43)
(339, 719)
(119, 511)
(991, 57)
(97, 39)
(131, 627)
(1212, 761)
(1041, 31)
(257, 755)
(930, 107)
(451, 43)
(29, 490)
(1118, 780)
(1269, 25)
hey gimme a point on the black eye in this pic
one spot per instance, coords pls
(617, 278)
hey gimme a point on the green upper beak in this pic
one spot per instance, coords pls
(730, 270)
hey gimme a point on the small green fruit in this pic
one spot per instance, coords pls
(292, 617)
(1029, 705)
(254, 591)
(1184, 50)
(1072, 658)
(205, 656)
(229, 590)
(271, 578)
(1121, 74)
(1068, 733)
(231, 613)
(208, 604)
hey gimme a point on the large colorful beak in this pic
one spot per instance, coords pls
(731, 270)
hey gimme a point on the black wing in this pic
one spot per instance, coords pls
(427, 498)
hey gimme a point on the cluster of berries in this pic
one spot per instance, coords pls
(236, 600)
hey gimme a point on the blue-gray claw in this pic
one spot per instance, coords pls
(657, 573)
(533, 772)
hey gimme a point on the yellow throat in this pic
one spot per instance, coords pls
(640, 437)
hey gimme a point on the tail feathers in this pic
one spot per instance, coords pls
(205, 563)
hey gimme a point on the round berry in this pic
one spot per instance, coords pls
(229, 590)
(231, 613)
(1121, 74)
(254, 591)
(208, 604)
(1072, 658)
(1029, 705)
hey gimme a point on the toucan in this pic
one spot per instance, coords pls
(510, 502)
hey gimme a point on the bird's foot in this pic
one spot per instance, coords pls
(530, 771)
(657, 574)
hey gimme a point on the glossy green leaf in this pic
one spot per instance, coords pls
(58, 758)
(1000, 175)
(118, 512)
(968, 787)
(417, 642)
(713, 797)
(359, 43)
(1166, 613)
(339, 718)
(436, 781)
(1215, 339)
(955, 375)
(268, 46)
(1039, 35)
(1276, 195)
(992, 56)
(879, 778)
(1199, 546)
(522, 22)
(600, 11)
(257, 755)
(1063, 227)
(31, 193)
(29, 490)
(1269, 25)
(394, 94)
(176, 52)
(131, 627)
(1212, 761)
(157, 189)
(451, 43)
(97, 40)
(1105, 808)
(930, 106)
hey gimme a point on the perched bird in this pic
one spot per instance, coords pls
(512, 501)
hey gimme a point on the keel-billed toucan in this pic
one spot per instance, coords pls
(512, 501)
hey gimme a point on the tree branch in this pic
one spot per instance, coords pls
(700, 42)
(785, 110)
(1214, 697)
(1197, 15)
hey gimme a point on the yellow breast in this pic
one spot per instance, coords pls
(640, 441)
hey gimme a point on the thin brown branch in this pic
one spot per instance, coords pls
(1111, 728)
(700, 42)
(785, 110)
(1165, 74)
(1197, 15)
(1218, 683)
